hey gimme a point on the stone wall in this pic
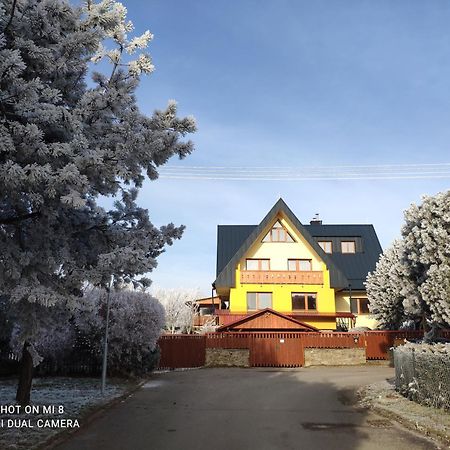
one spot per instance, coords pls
(335, 356)
(227, 357)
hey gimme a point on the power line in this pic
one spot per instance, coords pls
(311, 167)
(319, 173)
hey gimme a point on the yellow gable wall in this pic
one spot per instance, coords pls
(279, 253)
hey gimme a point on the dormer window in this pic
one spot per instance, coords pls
(278, 233)
(348, 246)
(327, 246)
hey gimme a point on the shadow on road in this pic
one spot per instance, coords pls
(218, 409)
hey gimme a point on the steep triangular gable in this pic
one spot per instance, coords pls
(278, 233)
(267, 319)
(227, 277)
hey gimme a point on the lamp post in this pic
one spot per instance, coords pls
(105, 346)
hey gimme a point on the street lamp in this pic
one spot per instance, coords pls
(105, 347)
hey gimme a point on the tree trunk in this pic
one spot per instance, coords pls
(25, 376)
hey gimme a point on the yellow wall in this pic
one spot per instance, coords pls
(343, 305)
(281, 294)
(279, 253)
(281, 297)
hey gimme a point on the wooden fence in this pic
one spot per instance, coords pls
(227, 340)
(333, 340)
(182, 350)
(279, 349)
(378, 343)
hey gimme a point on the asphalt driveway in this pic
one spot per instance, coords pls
(264, 409)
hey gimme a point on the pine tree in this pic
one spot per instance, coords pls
(426, 243)
(64, 144)
(385, 289)
(412, 279)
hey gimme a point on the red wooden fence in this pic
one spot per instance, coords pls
(333, 340)
(378, 343)
(277, 349)
(227, 340)
(182, 350)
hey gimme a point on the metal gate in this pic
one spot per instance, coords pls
(276, 350)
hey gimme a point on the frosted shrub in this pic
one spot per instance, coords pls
(136, 322)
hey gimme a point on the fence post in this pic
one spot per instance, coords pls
(414, 363)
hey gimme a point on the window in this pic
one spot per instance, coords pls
(359, 306)
(299, 265)
(206, 311)
(259, 300)
(305, 301)
(327, 246)
(257, 264)
(278, 234)
(348, 246)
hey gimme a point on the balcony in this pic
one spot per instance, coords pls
(281, 277)
(210, 319)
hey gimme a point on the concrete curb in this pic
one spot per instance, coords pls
(88, 417)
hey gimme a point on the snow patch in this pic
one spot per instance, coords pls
(153, 384)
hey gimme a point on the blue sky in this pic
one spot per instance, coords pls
(294, 84)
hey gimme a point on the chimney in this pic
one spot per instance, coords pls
(316, 220)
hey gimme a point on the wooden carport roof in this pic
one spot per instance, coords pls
(267, 320)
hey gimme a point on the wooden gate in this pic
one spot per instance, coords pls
(276, 350)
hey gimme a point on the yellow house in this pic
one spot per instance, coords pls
(312, 273)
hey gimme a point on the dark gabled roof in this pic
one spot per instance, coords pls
(357, 265)
(227, 274)
(229, 240)
(354, 266)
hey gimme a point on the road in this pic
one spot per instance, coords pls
(233, 409)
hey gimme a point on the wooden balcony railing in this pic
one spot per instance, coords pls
(198, 321)
(281, 277)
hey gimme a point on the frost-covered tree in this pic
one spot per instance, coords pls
(412, 279)
(385, 288)
(64, 144)
(136, 322)
(180, 307)
(426, 243)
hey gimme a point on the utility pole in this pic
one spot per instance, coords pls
(105, 347)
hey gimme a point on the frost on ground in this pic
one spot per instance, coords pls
(76, 395)
(383, 398)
